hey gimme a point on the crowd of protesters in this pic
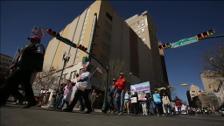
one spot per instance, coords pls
(81, 94)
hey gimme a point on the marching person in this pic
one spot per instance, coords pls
(127, 100)
(166, 104)
(158, 102)
(66, 94)
(83, 90)
(112, 92)
(28, 63)
(120, 85)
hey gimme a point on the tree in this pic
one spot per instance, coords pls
(214, 60)
(44, 80)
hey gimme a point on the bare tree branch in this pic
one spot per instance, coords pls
(214, 60)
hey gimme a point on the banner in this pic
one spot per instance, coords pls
(141, 87)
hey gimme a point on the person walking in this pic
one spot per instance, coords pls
(178, 105)
(157, 101)
(166, 104)
(135, 103)
(127, 101)
(28, 63)
(120, 85)
(93, 98)
(112, 91)
(66, 94)
(83, 90)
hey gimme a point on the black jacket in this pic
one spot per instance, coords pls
(31, 57)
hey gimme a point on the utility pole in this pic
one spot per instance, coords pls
(65, 59)
(185, 41)
(84, 49)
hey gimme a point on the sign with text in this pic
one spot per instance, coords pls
(184, 42)
(141, 87)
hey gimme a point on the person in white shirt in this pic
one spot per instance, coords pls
(166, 104)
(83, 89)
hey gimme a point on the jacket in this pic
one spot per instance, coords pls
(120, 83)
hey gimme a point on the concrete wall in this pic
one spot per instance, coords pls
(153, 61)
(78, 31)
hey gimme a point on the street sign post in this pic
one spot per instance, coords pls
(184, 42)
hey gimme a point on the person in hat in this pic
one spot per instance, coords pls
(25, 66)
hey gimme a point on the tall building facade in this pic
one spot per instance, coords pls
(153, 63)
(113, 41)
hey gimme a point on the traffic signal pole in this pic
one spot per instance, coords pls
(202, 36)
(81, 47)
(68, 42)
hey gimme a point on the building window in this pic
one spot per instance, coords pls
(109, 16)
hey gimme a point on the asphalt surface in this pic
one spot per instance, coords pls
(17, 116)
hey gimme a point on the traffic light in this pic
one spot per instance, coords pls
(205, 35)
(51, 32)
(81, 47)
(164, 46)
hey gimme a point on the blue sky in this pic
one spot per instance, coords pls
(173, 20)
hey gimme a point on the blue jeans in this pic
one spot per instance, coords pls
(119, 100)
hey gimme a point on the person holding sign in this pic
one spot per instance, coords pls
(134, 102)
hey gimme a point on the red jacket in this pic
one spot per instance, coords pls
(120, 83)
(178, 103)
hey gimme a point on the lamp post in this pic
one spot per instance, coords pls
(105, 101)
(65, 58)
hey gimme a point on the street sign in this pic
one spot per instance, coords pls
(184, 42)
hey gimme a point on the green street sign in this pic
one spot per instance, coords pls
(184, 41)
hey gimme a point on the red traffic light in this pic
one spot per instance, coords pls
(83, 48)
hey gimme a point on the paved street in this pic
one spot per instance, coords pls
(14, 116)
